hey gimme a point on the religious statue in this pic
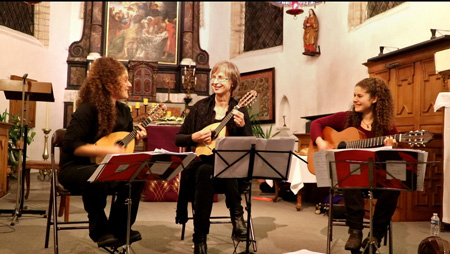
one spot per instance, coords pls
(311, 26)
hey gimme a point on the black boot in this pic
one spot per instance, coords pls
(354, 240)
(200, 243)
(239, 227)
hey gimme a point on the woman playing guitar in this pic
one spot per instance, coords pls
(194, 131)
(99, 113)
(372, 115)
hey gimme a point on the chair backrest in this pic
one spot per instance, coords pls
(57, 140)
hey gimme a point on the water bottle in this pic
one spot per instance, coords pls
(435, 227)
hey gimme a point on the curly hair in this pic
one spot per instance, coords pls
(97, 88)
(231, 70)
(383, 108)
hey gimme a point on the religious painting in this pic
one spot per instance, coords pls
(142, 31)
(263, 82)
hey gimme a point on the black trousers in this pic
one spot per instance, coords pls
(205, 188)
(94, 197)
(384, 209)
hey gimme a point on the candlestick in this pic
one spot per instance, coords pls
(45, 154)
(137, 111)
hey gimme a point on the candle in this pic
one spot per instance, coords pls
(153, 105)
(131, 108)
(145, 101)
(138, 105)
(169, 113)
(46, 116)
(74, 106)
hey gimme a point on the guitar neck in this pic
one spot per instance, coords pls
(224, 122)
(125, 141)
(370, 142)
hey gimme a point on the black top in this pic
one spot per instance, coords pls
(202, 114)
(83, 129)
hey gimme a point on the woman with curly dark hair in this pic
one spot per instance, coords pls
(99, 113)
(372, 114)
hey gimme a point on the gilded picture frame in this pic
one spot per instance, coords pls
(142, 31)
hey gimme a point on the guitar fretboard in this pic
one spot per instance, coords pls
(370, 142)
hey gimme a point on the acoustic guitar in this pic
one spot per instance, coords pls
(126, 139)
(353, 138)
(218, 129)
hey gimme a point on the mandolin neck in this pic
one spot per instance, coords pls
(224, 122)
(126, 140)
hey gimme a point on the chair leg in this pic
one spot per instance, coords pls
(67, 209)
(62, 206)
(49, 219)
(391, 244)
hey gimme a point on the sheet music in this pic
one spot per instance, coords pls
(421, 170)
(396, 169)
(322, 167)
(236, 150)
(160, 162)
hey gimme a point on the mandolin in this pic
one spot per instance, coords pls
(126, 139)
(218, 129)
(353, 138)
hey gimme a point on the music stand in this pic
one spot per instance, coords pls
(394, 169)
(26, 91)
(143, 166)
(256, 159)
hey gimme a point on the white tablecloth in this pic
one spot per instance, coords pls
(298, 174)
(443, 100)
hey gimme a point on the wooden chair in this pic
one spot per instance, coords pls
(57, 190)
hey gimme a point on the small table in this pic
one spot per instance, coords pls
(298, 176)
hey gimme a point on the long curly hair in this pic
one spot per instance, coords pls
(383, 108)
(97, 88)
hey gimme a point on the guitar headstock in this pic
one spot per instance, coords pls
(157, 111)
(416, 137)
(248, 99)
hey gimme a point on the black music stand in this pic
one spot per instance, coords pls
(394, 169)
(26, 91)
(257, 159)
(134, 167)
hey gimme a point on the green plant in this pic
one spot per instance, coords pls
(257, 130)
(14, 138)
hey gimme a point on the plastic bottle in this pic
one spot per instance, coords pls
(435, 227)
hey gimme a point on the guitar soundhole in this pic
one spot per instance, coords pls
(120, 143)
(342, 145)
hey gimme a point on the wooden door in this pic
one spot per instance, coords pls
(414, 87)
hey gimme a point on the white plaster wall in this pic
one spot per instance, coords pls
(309, 85)
(22, 54)
(324, 84)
